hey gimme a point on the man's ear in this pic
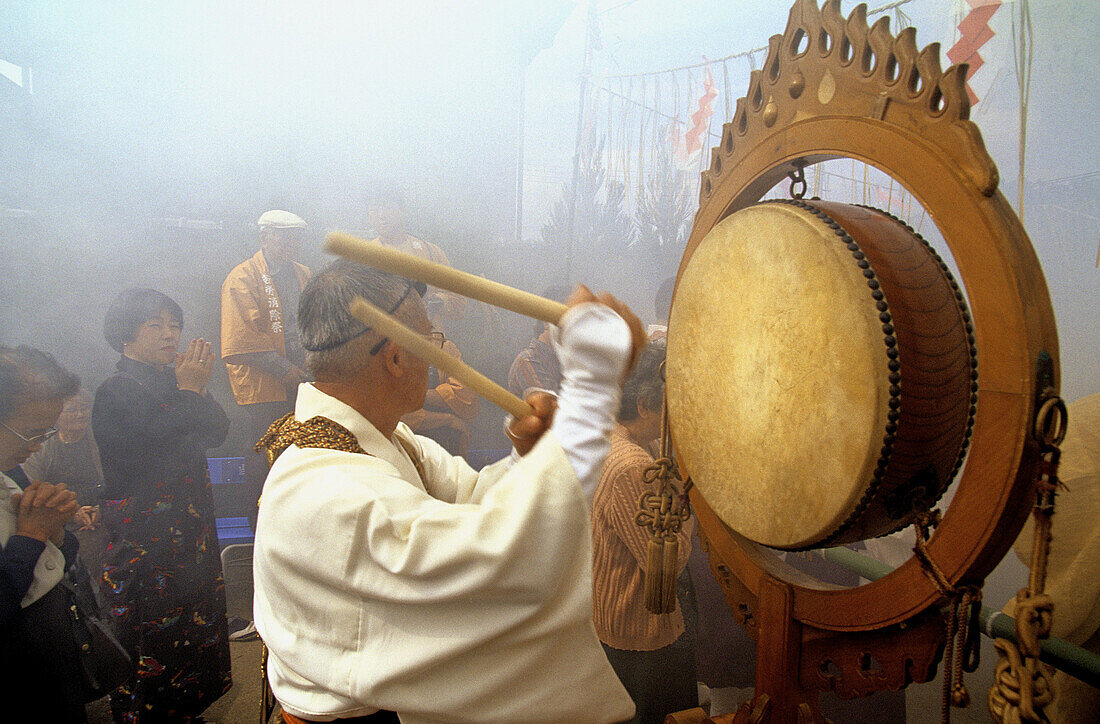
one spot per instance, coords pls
(393, 358)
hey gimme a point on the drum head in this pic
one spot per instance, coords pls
(777, 376)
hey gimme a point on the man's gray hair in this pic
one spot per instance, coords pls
(28, 374)
(337, 344)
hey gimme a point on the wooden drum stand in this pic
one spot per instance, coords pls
(834, 88)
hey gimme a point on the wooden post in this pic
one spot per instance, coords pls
(778, 647)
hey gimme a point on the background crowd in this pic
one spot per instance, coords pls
(120, 471)
(112, 489)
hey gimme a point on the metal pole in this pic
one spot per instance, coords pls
(1059, 653)
(520, 128)
(589, 40)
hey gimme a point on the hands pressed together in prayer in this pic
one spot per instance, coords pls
(87, 517)
(194, 366)
(43, 509)
(526, 431)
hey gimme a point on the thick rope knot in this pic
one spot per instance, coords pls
(1022, 685)
(319, 432)
(1035, 615)
(925, 521)
(659, 471)
(663, 512)
(1020, 691)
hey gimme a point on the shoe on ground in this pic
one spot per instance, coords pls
(242, 630)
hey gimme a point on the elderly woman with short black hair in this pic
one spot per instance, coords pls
(153, 421)
(39, 662)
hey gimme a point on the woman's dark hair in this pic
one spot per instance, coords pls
(27, 373)
(131, 309)
(645, 384)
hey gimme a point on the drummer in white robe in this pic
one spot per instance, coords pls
(398, 579)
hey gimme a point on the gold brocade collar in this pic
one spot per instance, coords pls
(319, 432)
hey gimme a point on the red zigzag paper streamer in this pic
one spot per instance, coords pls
(975, 33)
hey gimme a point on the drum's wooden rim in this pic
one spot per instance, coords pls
(1014, 324)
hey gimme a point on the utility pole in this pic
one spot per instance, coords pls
(586, 71)
(520, 124)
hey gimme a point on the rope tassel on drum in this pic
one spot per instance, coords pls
(960, 616)
(663, 513)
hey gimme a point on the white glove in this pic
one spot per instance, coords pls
(594, 345)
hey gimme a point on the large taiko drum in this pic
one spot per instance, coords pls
(821, 373)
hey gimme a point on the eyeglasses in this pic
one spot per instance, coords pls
(33, 439)
(435, 337)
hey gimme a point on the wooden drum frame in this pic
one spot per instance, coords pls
(834, 88)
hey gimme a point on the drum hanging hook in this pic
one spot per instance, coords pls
(798, 180)
(1051, 420)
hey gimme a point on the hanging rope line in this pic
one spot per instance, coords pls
(901, 19)
(732, 56)
(1022, 47)
(658, 127)
(639, 104)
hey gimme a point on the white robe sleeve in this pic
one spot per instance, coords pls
(594, 345)
(372, 594)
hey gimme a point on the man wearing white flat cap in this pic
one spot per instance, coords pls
(259, 342)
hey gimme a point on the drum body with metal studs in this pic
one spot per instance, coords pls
(821, 373)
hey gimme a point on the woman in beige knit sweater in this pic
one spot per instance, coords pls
(645, 649)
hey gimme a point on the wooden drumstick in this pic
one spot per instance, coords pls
(390, 327)
(442, 276)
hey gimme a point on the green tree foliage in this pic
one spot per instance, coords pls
(589, 216)
(663, 216)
